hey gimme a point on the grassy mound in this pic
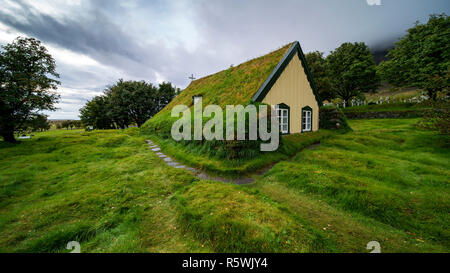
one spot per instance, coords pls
(332, 118)
(388, 171)
(385, 181)
(202, 156)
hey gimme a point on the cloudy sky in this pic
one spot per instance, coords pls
(97, 42)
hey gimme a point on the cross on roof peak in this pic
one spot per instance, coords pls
(192, 77)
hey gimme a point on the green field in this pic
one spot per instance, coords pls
(387, 181)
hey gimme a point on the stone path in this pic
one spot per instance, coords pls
(172, 163)
(241, 180)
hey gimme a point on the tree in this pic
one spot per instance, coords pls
(137, 101)
(77, 124)
(36, 122)
(65, 124)
(127, 102)
(319, 69)
(421, 58)
(27, 81)
(352, 71)
(95, 113)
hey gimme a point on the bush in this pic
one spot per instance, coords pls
(332, 118)
(437, 118)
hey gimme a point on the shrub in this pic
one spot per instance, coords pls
(332, 118)
(437, 118)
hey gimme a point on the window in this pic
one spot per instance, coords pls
(196, 99)
(306, 119)
(283, 117)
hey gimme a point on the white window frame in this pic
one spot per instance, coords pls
(306, 120)
(283, 119)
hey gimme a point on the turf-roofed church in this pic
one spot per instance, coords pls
(280, 79)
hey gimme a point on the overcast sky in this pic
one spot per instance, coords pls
(97, 42)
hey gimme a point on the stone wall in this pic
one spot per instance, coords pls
(384, 114)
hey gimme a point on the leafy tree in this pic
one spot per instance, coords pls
(36, 122)
(65, 124)
(137, 101)
(352, 71)
(27, 81)
(95, 113)
(118, 104)
(77, 123)
(421, 58)
(70, 124)
(166, 92)
(127, 102)
(319, 69)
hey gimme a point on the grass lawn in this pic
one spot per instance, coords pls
(386, 181)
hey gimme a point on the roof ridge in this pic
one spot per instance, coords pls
(270, 52)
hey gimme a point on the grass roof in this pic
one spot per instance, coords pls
(232, 86)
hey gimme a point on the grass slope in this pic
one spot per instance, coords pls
(386, 181)
(197, 155)
(386, 170)
(232, 86)
(104, 189)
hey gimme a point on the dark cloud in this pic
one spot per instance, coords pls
(169, 40)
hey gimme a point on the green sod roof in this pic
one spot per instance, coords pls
(233, 86)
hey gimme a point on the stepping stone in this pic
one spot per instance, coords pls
(180, 167)
(245, 180)
(156, 149)
(222, 179)
(153, 146)
(173, 164)
(161, 155)
(191, 169)
(148, 141)
(168, 159)
(203, 176)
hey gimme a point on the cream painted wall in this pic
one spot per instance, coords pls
(292, 88)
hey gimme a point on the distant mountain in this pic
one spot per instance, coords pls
(379, 55)
(379, 50)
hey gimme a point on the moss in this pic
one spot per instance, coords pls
(233, 86)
